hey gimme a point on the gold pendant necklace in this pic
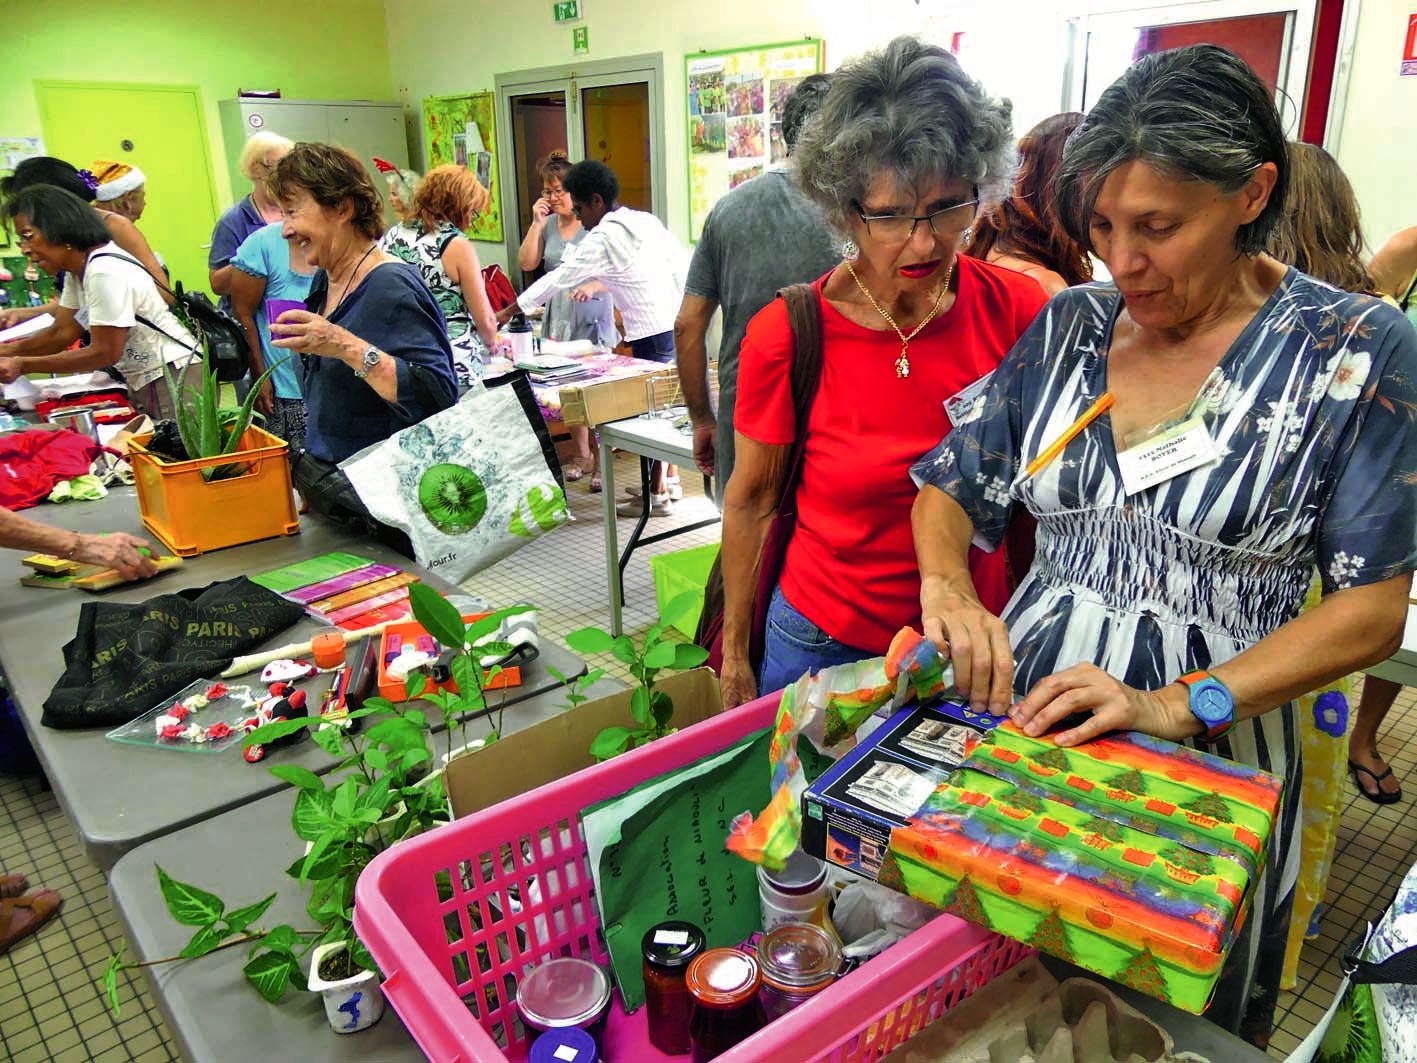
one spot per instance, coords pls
(902, 364)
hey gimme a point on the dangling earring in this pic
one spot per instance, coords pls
(964, 236)
(849, 250)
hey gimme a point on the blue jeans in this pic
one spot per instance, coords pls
(659, 348)
(794, 645)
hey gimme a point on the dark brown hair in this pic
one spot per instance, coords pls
(331, 175)
(554, 166)
(1027, 223)
(1320, 232)
(447, 193)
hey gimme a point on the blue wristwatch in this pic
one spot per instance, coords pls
(1211, 703)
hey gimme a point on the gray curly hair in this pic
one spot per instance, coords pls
(908, 110)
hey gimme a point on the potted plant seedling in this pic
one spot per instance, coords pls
(378, 794)
(222, 480)
(653, 710)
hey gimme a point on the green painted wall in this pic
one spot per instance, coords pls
(333, 49)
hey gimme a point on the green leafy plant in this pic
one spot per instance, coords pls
(577, 689)
(378, 793)
(653, 710)
(474, 643)
(208, 429)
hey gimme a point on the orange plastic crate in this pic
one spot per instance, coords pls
(192, 516)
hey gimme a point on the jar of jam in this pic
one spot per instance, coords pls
(726, 1009)
(798, 961)
(565, 992)
(668, 949)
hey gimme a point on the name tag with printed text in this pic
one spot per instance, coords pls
(1166, 455)
(966, 405)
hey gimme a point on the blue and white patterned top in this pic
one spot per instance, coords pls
(1313, 411)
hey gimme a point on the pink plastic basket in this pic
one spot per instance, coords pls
(454, 917)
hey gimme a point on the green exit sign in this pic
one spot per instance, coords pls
(566, 10)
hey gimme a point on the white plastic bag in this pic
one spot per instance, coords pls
(469, 485)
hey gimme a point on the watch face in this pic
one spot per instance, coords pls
(1212, 703)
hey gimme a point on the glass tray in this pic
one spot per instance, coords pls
(237, 704)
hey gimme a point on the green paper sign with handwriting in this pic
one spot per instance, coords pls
(657, 853)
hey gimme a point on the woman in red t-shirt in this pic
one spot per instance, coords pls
(897, 157)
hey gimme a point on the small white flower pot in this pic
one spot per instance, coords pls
(351, 1004)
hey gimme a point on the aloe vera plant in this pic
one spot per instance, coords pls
(208, 429)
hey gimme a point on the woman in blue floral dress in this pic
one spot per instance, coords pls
(1300, 403)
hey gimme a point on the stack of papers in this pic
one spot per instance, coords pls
(552, 368)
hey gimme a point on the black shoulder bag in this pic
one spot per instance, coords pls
(230, 354)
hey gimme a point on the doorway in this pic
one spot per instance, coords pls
(1273, 36)
(157, 128)
(607, 110)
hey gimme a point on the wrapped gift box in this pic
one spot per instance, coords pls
(1130, 856)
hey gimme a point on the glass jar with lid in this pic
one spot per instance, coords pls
(564, 992)
(724, 986)
(798, 961)
(668, 949)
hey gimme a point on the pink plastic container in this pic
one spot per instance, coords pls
(510, 886)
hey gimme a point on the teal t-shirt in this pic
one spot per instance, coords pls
(266, 254)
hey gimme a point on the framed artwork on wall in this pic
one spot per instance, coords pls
(734, 102)
(461, 130)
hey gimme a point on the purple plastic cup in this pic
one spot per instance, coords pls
(276, 307)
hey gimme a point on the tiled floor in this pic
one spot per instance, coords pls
(50, 1003)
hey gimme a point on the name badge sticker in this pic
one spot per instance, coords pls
(1170, 453)
(966, 405)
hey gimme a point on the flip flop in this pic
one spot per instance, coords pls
(595, 484)
(13, 885)
(572, 472)
(22, 916)
(1377, 795)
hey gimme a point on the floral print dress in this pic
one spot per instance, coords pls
(424, 251)
(1312, 414)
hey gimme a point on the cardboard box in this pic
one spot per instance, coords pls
(849, 825)
(599, 401)
(560, 746)
(1130, 856)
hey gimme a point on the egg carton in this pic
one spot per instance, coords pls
(1027, 1016)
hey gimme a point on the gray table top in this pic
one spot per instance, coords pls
(653, 437)
(210, 1008)
(120, 796)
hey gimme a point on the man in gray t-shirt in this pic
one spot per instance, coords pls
(764, 235)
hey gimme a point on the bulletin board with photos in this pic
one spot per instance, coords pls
(734, 115)
(459, 129)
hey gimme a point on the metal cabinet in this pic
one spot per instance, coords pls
(365, 128)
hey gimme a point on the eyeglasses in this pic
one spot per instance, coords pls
(550, 192)
(898, 228)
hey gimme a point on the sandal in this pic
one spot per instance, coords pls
(22, 916)
(1377, 794)
(13, 885)
(577, 469)
(596, 486)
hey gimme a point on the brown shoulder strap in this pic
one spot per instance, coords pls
(804, 316)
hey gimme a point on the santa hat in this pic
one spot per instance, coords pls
(115, 179)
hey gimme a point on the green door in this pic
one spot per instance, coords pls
(157, 128)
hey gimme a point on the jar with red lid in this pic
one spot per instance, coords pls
(798, 961)
(726, 1010)
(668, 949)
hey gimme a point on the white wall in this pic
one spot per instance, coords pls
(448, 46)
(1017, 48)
(1377, 148)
